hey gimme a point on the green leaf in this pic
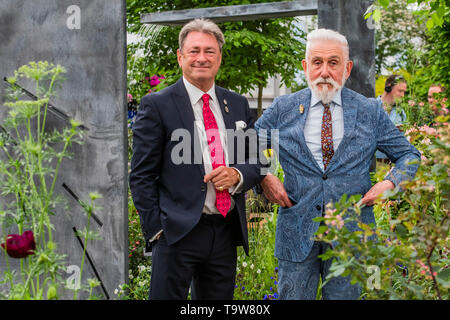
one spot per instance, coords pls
(376, 15)
(437, 19)
(321, 230)
(401, 231)
(430, 24)
(384, 3)
(444, 274)
(340, 270)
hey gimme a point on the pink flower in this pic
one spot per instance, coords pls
(421, 104)
(410, 130)
(20, 246)
(130, 97)
(411, 103)
(154, 81)
(428, 130)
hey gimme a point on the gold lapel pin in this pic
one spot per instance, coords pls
(226, 106)
(301, 108)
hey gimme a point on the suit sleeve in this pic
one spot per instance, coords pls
(267, 122)
(148, 140)
(393, 143)
(251, 169)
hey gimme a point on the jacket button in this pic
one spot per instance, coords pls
(324, 177)
(318, 207)
(203, 188)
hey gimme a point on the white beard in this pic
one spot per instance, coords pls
(325, 95)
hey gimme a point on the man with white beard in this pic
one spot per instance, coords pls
(327, 137)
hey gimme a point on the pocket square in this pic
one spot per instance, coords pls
(240, 125)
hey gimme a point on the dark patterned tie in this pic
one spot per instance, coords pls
(327, 136)
(223, 199)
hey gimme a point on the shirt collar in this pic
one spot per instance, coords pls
(195, 94)
(337, 99)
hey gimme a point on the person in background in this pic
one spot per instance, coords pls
(394, 90)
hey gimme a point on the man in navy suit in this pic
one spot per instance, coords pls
(186, 179)
(327, 137)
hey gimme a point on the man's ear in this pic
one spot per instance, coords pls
(304, 64)
(179, 57)
(349, 67)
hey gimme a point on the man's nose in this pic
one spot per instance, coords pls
(201, 56)
(324, 72)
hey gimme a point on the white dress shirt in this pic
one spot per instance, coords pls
(313, 125)
(195, 96)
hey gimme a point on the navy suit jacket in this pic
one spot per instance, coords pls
(170, 195)
(366, 128)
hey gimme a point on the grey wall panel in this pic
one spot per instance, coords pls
(347, 17)
(94, 93)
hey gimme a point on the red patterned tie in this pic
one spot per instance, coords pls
(223, 200)
(327, 136)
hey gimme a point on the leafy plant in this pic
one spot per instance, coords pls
(409, 247)
(29, 168)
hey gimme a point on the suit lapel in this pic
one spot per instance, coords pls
(350, 111)
(225, 107)
(186, 113)
(305, 101)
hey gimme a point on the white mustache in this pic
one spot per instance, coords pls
(327, 80)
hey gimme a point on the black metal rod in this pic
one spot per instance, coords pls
(54, 110)
(91, 263)
(94, 216)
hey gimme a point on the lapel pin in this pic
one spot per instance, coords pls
(226, 105)
(301, 108)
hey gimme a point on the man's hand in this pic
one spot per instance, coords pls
(372, 195)
(223, 177)
(274, 191)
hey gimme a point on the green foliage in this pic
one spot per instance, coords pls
(257, 274)
(406, 255)
(398, 26)
(253, 50)
(29, 167)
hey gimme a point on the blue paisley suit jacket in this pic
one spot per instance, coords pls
(366, 128)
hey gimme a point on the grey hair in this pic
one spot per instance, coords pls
(326, 35)
(201, 25)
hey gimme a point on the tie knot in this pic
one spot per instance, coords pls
(205, 98)
(326, 105)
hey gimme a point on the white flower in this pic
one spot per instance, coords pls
(252, 266)
(258, 271)
(116, 291)
(142, 283)
(141, 268)
(244, 264)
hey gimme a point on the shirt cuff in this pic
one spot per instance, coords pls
(155, 236)
(238, 187)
